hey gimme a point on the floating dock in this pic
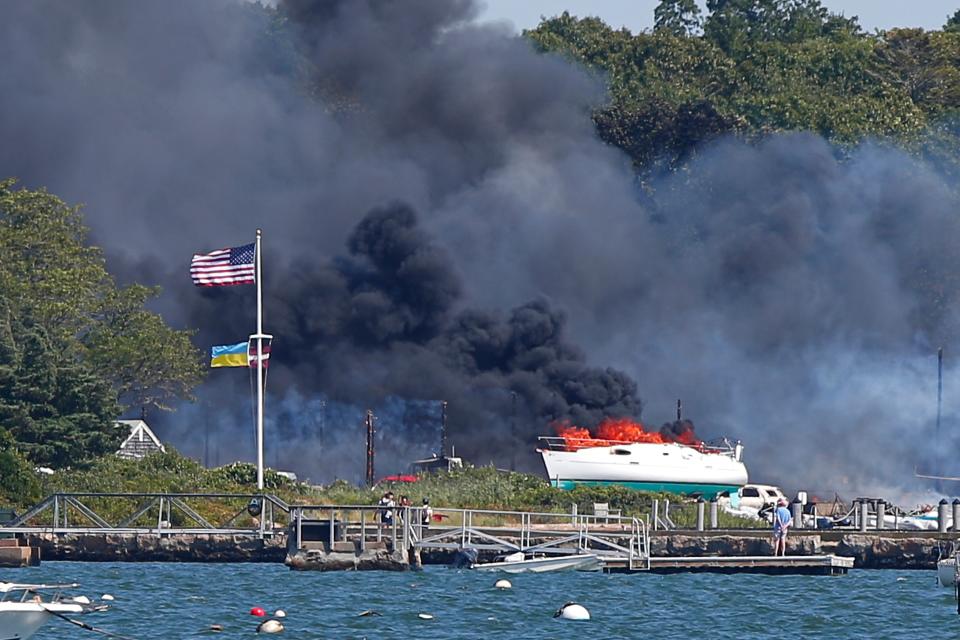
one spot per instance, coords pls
(828, 565)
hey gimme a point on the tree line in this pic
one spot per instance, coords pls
(753, 67)
(75, 348)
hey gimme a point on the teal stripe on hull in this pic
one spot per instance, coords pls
(706, 490)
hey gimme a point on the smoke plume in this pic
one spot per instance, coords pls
(442, 223)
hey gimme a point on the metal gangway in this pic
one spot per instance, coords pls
(610, 537)
(623, 541)
(162, 514)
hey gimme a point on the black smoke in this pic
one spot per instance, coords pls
(792, 297)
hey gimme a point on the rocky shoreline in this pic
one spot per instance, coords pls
(883, 550)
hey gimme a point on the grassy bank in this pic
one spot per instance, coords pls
(477, 488)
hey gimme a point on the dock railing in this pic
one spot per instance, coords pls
(163, 514)
(622, 538)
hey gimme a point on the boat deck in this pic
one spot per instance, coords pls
(828, 565)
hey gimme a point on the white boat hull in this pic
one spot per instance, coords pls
(647, 466)
(584, 562)
(20, 620)
(947, 572)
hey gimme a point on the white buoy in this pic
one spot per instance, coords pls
(279, 613)
(270, 626)
(425, 616)
(502, 583)
(572, 611)
(107, 597)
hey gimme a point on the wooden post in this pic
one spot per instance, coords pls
(363, 530)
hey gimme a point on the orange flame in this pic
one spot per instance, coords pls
(614, 430)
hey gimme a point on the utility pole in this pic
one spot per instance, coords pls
(371, 477)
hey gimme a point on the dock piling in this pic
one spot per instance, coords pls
(714, 513)
(942, 516)
(796, 512)
(956, 513)
(881, 514)
(864, 511)
(700, 510)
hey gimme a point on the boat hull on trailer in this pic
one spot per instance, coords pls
(645, 466)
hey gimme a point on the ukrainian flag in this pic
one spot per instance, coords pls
(229, 355)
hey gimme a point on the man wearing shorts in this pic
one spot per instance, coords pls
(782, 520)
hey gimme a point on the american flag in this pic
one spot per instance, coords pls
(224, 267)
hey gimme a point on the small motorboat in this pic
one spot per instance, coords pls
(519, 563)
(24, 608)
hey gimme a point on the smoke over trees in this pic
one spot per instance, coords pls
(443, 222)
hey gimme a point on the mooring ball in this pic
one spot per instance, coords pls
(258, 611)
(280, 613)
(425, 616)
(106, 597)
(572, 611)
(502, 584)
(270, 626)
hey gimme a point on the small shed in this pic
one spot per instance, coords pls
(141, 441)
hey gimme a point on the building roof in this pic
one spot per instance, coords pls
(140, 442)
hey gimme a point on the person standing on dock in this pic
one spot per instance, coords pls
(782, 521)
(426, 514)
(386, 505)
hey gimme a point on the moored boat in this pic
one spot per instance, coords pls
(703, 469)
(518, 563)
(23, 609)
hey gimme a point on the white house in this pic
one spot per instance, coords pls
(140, 442)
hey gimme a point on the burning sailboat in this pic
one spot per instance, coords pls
(622, 452)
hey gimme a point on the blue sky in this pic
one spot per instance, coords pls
(638, 14)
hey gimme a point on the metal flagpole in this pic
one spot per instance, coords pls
(259, 371)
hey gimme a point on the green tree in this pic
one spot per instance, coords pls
(677, 17)
(953, 22)
(71, 342)
(64, 413)
(18, 481)
(140, 354)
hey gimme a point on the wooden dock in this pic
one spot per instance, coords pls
(829, 565)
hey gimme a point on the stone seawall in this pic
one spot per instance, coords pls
(128, 547)
(901, 550)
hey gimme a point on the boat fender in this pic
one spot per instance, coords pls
(258, 611)
(107, 597)
(572, 611)
(279, 613)
(425, 616)
(270, 626)
(502, 584)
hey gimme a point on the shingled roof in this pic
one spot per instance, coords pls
(140, 442)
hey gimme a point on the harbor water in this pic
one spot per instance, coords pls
(170, 601)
